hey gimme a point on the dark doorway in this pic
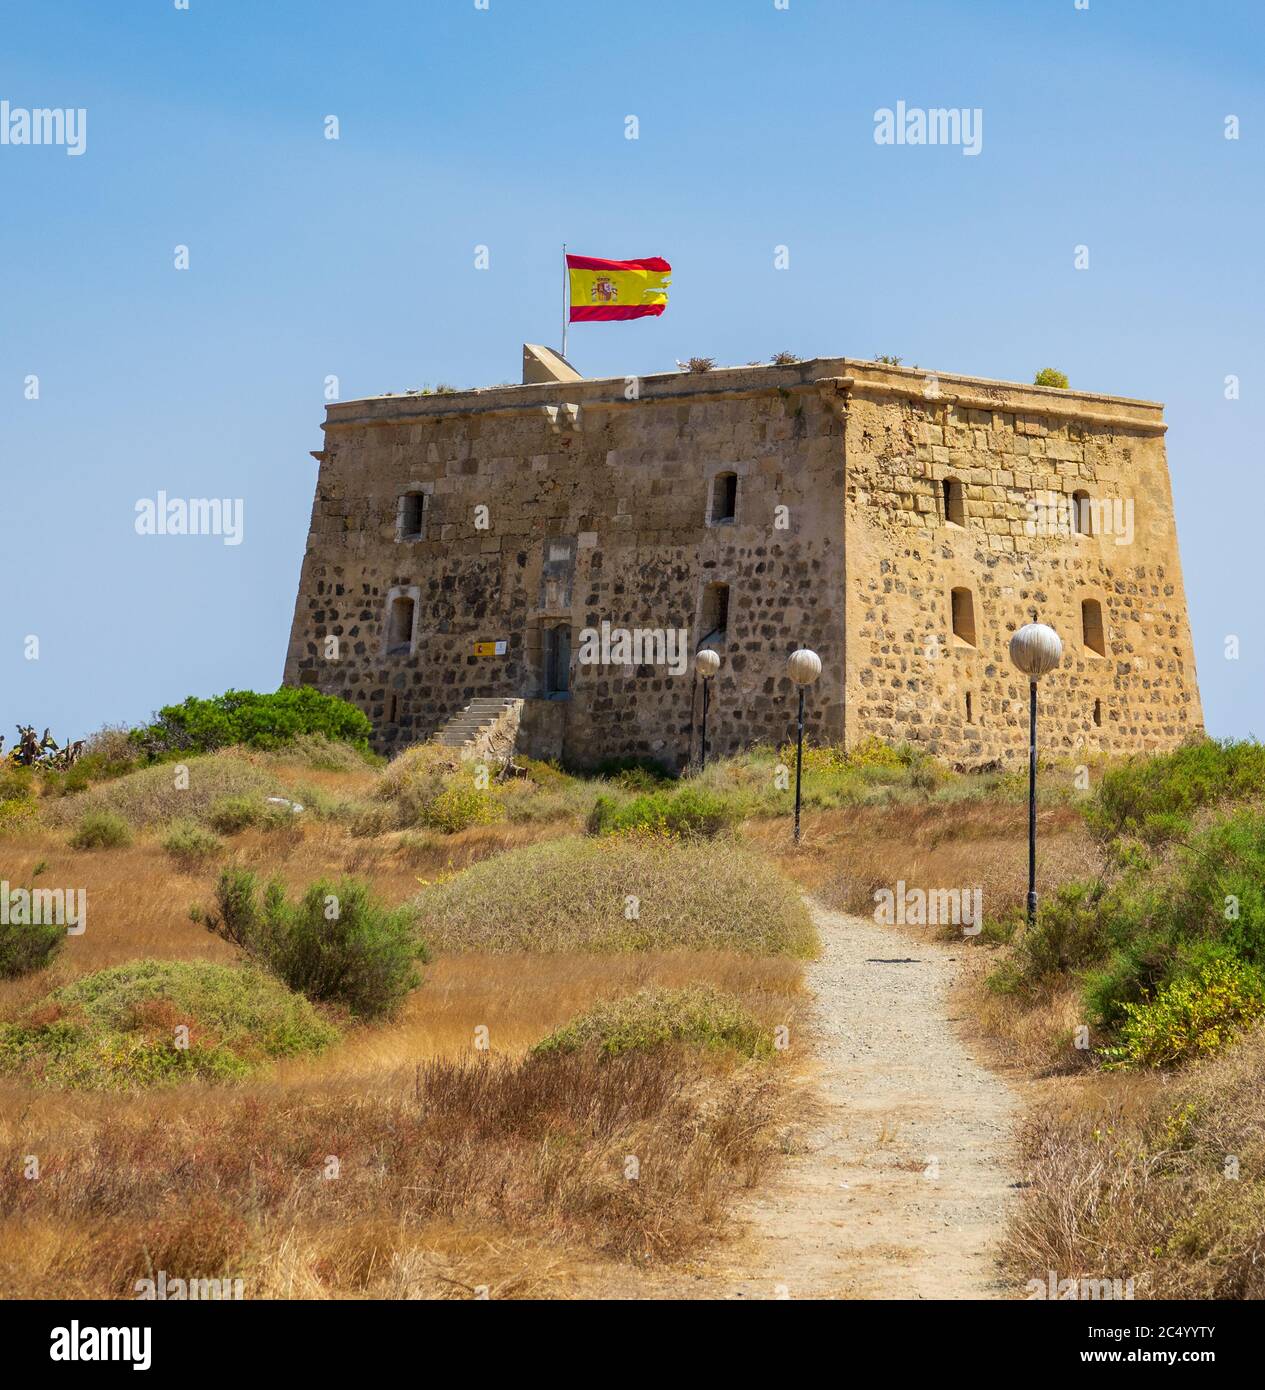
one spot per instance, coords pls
(557, 660)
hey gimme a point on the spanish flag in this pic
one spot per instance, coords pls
(616, 289)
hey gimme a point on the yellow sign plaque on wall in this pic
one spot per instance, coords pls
(491, 648)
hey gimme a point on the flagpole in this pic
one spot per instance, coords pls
(565, 314)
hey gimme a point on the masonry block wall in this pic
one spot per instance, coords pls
(861, 498)
(1031, 464)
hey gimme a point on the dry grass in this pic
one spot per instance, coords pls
(240, 1183)
(486, 1172)
(464, 1168)
(1036, 1032)
(1151, 1179)
(139, 899)
(519, 998)
(852, 853)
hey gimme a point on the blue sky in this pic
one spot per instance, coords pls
(505, 127)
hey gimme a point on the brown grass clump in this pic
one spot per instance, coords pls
(153, 796)
(338, 1190)
(420, 762)
(1151, 1180)
(619, 893)
(1037, 1031)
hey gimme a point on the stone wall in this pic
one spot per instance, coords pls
(563, 506)
(1008, 447)
(539, 515)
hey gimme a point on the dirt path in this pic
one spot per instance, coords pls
(898, 1186)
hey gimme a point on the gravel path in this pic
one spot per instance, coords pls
(898, 1185)
(901, 1184)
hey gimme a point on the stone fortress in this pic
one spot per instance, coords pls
(532, 553)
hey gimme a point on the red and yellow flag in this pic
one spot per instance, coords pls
(617, 289)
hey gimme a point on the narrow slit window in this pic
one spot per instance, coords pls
(715, 615)
(1091, 627)
(724, 497)
(954, 496)
(1082, 523)
(1098, 714)
(400, 626)
(970, 709)
(412, 516)
(963, 606)
(393, 708)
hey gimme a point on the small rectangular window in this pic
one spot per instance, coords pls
(715, 614)
(1082, 514)
(724, 497)
(1091, 627)
(412, 516)
(963, 616)
(400, 626)
(954, 497)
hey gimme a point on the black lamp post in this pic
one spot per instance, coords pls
(1034, 649)
(803, 667)
(706, 663)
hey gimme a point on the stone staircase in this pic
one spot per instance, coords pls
(486, 728)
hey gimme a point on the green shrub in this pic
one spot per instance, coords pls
(639, 779)
(1071, 930)
(233, 814)
(686, 811)
(459, 806)
(1152, 924)
(873, 752)
(925, 776)
(1194, 1016)
(1153, 797)
(544, 774)
(1157, 926)
(633, 773)
(337, 943)
(190, 845)
(266, 721)
(25, 946)
(153, 1022)
(697, 1017)
(101, 830)
(107, 754)
(426, 785)
(1051, 376)
(16, 783)
(18, 816)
